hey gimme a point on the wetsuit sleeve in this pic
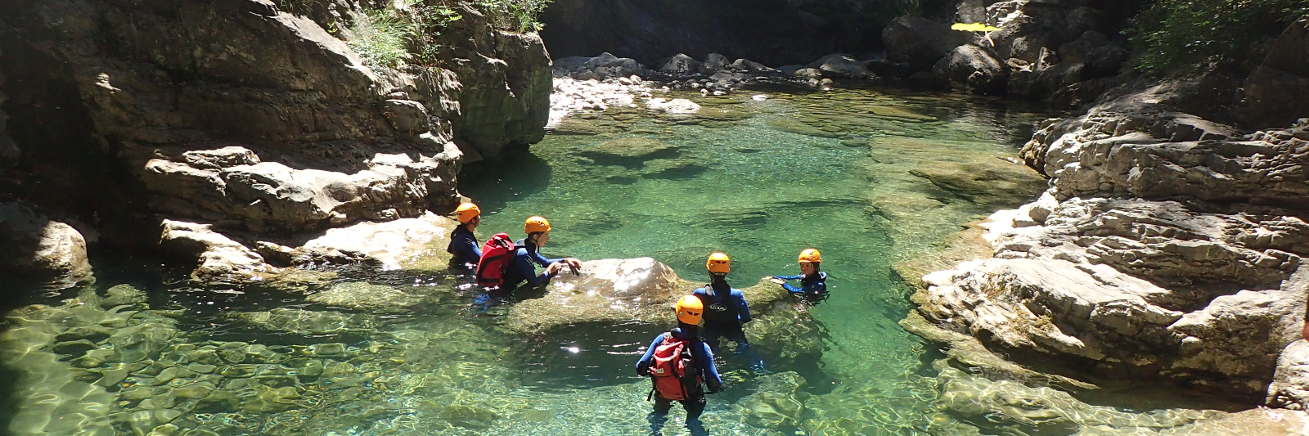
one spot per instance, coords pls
(524, 266)
(711, 376)
(792, 288)
(795, 277)
(542, 260)
(744, 309)
(468, 246)
(643, 364)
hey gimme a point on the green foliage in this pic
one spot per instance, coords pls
(1173, 34)
(379, 37)
(515, 15)
(405, 33)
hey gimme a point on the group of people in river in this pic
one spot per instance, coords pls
(679, 362)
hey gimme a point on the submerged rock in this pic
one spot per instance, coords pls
(367, 297)
(674, 106)
(41, 248)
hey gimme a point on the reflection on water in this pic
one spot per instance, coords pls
(870, 178)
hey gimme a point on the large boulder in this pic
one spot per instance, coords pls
(974, 69)
(39, 247)
(920, 42)
(417, 243)
(603, 66)
(841, 66)
(217, 258)
(682, 65)
(616, 291)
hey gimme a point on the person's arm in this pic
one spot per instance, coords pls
(470, 246)
(711, 376)
(525, 268)
(743, 309)
(794, 277)
(643, 364)
(542, 260)
(792, 288)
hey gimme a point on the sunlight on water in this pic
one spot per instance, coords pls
(869, 178)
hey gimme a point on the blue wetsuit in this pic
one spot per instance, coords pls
(812, 288)
(522, 269)
(725, 312)
(703, 359)
(464, 247)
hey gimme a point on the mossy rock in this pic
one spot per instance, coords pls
(630, 151)
(805, 127)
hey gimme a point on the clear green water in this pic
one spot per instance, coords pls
(869, 178)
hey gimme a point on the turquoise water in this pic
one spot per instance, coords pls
(870, 178)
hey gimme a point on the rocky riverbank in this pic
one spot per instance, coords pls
(249, 136)
(1168, 249)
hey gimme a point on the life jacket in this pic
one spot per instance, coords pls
(496, 256)
(674, 372)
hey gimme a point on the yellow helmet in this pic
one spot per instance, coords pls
(467, 211)
(536, 224)
(718, 263)
(810, 255)
(689, 309)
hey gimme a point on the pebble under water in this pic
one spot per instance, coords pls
(870, 178)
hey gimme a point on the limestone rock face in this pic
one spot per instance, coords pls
(231, 185)
(389, 244)
(973, 68)
(39, 247)
(505, 83)
(920, 42)
(1166, 243)
(1290, 387)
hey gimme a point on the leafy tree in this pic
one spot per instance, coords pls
(1173, 34)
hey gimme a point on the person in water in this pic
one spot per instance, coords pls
(463, 243)
(726, 311)
(678, 364)
(528, 255)
(813, 282)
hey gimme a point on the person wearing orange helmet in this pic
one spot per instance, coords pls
(463, 243)
(726, 311)
(813, 282)
(527, 256)
(678, 363)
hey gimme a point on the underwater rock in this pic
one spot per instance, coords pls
(367, 297)
(674, 106)
(122, 295)
(630, 150)
(990, 182)
(1016, 407)
(42, 248)
(777, 403)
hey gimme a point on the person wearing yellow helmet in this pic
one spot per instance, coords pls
(463, 243)
(813, 282)
(678, 364)
(725, 308)
(527, 256)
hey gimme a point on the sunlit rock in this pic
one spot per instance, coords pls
(674, 106)
(406, 242)
(37, 246)
(1290, 386)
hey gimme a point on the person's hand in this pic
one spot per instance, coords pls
(776, 280)
(573, 262)
(553, 269)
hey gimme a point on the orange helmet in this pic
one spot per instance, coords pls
(718, 263)
(536, 224)
(689, 309)
(467, 211)
(810, 255)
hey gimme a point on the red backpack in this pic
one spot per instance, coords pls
(496, 254)
(672, 364)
